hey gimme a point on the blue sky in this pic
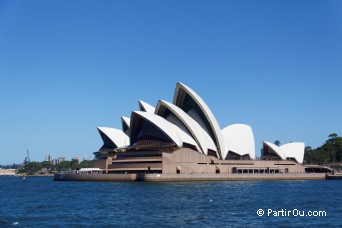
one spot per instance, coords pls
(67, 67)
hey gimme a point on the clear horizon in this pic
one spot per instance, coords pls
(67, 67)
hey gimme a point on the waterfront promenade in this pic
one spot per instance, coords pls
(189, 177)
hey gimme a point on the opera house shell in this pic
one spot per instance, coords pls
(185, 137)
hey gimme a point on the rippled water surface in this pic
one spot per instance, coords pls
(41, 202)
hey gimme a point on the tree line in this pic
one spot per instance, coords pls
(13, 166)
(47, 167)
(329, 152)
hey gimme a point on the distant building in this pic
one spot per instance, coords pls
(48, 158)
(54, 161)
(7, 172)
(61, 159)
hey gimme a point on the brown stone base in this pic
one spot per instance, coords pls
(189, 177)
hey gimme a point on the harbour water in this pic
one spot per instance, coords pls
(41, 202)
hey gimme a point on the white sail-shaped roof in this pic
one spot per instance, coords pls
(294, 150)
(240, 139)
(116, 136)
(275, 149)
(174, 133)
(189, 122)
(192, 104)
(202, 138)
(290, 150)
(125, 122)
(143, 106)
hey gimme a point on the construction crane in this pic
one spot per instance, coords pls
(27, 159)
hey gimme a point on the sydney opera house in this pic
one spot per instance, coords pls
(184, 137)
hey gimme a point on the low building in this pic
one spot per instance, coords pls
(7, 172)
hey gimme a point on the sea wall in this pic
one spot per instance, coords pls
(189, 177)
(232, 177)
(95, 177)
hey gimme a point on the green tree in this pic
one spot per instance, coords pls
(74, 164)
(86, 164)
(321, 156)
(330, 151)
(47, 165)
(64, 166)
(308, 155)
(338, 146)
(30, 168)
(333, 136)
(277, 142)
(330, 147)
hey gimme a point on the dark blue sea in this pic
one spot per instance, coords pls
(41, 202)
